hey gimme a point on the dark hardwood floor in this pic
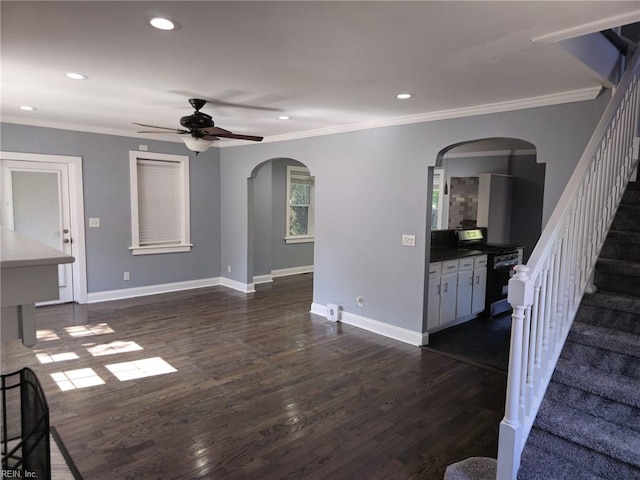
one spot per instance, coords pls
(262, 389)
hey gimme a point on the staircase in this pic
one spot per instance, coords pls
(588, 425)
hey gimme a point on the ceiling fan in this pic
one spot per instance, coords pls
(201, 131)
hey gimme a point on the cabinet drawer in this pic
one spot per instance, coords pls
(480, 261)
(435, 269)
(465, 264)
(449, 266)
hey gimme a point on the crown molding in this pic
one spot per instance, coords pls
(591, 27)
(511, 105)
(531, 102)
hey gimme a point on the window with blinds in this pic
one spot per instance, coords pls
(300, 215)
(159, 203)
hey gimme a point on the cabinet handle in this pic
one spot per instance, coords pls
(438, 290)
(446, 285)
(477, 279)
(471, 281)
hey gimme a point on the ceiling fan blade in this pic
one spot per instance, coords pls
(164, 128)
(210, 137)
(155, 131)
(213, 130)
(240, 137)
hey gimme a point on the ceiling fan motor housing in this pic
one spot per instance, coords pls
(196, 120)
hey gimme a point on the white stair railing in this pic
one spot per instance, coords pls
(546, 292)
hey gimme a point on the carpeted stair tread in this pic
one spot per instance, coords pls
(607, 318)
(614, 387)
(622, 444)
(536, 463)
(610, 410)
(622, 245)
(622, 267)
(605, 338)
(631, 195)
(551, 457)
(627, 218)
(613, 301)
(602, 360)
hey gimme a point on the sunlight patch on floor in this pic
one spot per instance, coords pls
(112, 348)
(140, 368)
(81, 378)
(45, 335)
(89, 330)
(44, 357)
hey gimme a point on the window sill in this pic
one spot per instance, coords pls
(156, 249)
(300, 239)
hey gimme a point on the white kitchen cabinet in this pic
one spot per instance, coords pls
(465, 286)
(465, 293)
(448, 297)
(433, 308)
(479, 291)
(456, 291)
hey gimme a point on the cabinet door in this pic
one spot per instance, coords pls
(433, 309)
(448, 289)
(479, 289)
(463, 303)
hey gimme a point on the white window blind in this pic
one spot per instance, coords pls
(159, 203)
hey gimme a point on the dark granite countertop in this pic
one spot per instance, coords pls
(440, 254)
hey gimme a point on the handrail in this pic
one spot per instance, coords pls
(546, 292)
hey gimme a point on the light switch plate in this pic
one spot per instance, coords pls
(94, 222)
(409, 240)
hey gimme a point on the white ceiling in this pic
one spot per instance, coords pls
(326, 64)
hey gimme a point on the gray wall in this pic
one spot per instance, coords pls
(105, 163)
(371, 187)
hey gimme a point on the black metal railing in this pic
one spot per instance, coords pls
(25, 426)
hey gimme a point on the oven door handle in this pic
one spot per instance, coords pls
(505, 265)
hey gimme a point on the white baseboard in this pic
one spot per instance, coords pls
(284, 272)
(257, 279)
(384, 329)
(121, 294)
(235, 285)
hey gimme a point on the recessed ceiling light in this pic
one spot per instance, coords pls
(162, 23)
(76, 76)
(27, 108)
(403, 96)
(284, 117)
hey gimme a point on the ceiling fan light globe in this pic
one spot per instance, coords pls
(194, 144)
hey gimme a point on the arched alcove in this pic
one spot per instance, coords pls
(271, 251)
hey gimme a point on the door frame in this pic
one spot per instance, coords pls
(76, 205)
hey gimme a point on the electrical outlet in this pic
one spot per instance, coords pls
(127, 276)
(332, 312)
(360, 301)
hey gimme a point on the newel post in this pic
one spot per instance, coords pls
(510, 438)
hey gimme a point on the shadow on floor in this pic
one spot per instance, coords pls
(483, 340)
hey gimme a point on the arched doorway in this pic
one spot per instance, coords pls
(459, 193)
(281, 220)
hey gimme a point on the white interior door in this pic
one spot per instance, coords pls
(36, 204)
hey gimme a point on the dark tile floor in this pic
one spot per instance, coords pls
(483, 340)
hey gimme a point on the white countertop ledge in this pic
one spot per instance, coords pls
(18, 251)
